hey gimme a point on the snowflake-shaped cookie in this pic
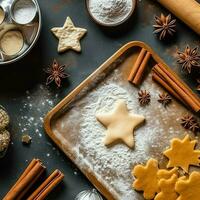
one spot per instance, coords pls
(189, 189)
(146, 178)
(166, 174)
(167, 187)
(182, 154)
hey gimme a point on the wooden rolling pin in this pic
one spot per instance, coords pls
(186, 10)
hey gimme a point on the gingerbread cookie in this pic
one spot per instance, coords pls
(120, 124)
(182, 154)
(146, 178)
(189, 189)
(167, 189)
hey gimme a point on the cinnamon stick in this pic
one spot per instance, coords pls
(47, 186)
(29, 176)
(187, 98)
(139, 74)
(137, 64)
(182, 86)
(177, 86)
(158, 79)
(27, 170)
(138, 69)
(30, 185)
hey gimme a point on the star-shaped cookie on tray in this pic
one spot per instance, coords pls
(69, 36)
(120, 124)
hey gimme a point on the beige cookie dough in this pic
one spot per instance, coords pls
(189, 189)
(167, 189)
(12, 42)
(69, 36)
(120, 124)
(182, 153)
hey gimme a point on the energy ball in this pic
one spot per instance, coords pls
(4, 119)
(4, 142)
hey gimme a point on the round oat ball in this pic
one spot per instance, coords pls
(4, 119)
(4, 142)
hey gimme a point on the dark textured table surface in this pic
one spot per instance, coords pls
(24, 94)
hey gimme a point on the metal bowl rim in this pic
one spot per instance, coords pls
(34, 41)
(12, 11)
(111, 25)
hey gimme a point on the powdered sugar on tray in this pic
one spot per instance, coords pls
(113, 165)
(116, 161)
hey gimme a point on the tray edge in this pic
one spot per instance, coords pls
(70, 96)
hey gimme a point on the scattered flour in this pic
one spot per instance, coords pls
(34, 108)
(113, 165)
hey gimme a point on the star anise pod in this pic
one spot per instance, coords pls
(144, 97)
(164, 26)
(198, 87)
(56, 73)
(187, 121)
(195, 127)
(164, 99)
(189, 59)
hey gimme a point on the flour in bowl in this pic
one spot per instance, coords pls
(110, 11)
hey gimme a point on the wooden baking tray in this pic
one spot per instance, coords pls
(65, 123)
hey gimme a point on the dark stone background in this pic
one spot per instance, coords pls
(24, 94)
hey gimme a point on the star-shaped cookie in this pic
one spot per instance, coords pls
(182, 153)
(69, 36)
(120, 124)
(189, 189)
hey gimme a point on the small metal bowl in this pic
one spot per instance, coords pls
(4, 15)
(114, 24)
(2, 47)
(13, 16)
(30, 41)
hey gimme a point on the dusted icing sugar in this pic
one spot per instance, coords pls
(82, 135)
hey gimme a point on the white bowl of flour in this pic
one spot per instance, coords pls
(110, 12)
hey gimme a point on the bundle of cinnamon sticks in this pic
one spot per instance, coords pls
(172, 83)
(31, 174)
(139, 67)
(166, 78)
